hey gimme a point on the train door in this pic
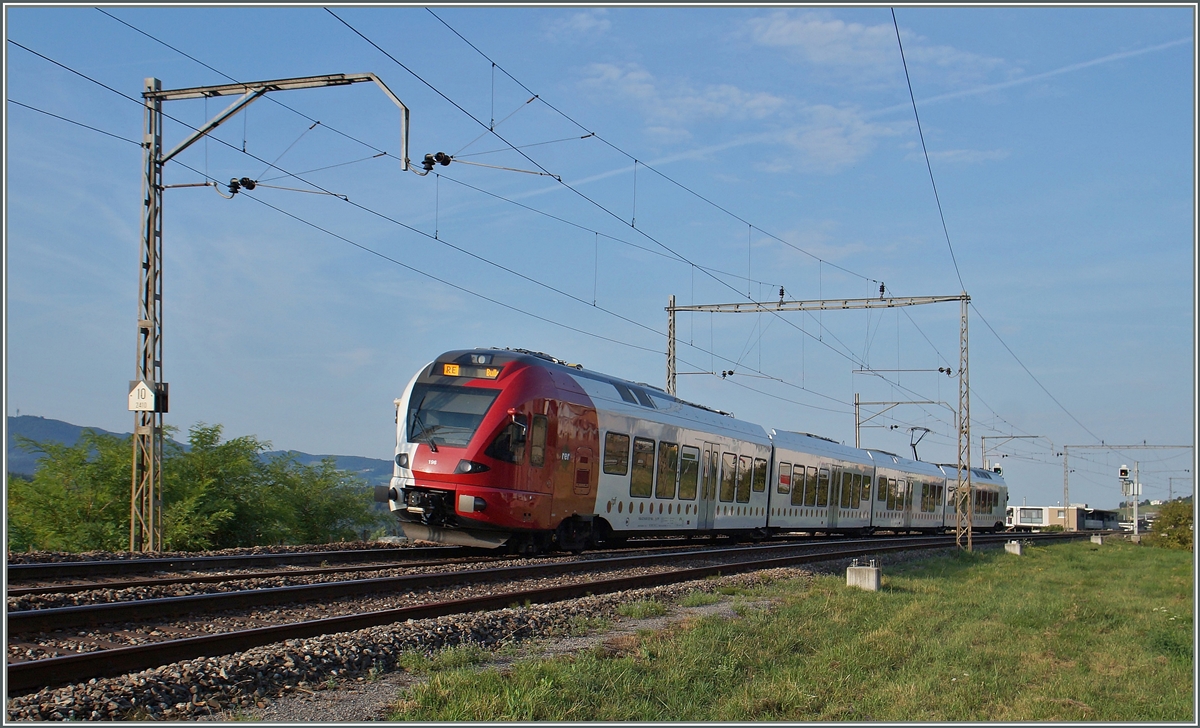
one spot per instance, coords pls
(710, 472)
(538, 476)
(907, 515)
(835, 495)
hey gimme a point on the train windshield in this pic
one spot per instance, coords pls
(445, 415)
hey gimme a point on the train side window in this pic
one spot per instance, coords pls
(616, 454)
(845, 498)
(728, 475)
(509, 444)
(668, 467)
(882, 489)
(855, 484)
(908, 495)
(866, 489)
(689, 472)
(798, 485)
(760, 475)
(810, 487)
(537, 436)
(641, 481)
(743, 479)
(785, 478)
(822, 487)
(891, 494)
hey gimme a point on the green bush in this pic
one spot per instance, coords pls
(78, 499)
(215, 495)
(1173, 529)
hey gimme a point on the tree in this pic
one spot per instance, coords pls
(1173, 529)
(324, 504)
(77, 500)
(215, 494)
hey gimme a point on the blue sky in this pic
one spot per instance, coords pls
(774, 147)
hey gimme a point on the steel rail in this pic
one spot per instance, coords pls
(66, 569)
(217, 578)
(213, 578)
(29, 676)
(38, 620)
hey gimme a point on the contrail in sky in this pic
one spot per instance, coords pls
(1036, 77)
(766, 136)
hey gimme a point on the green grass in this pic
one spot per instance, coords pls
(1067, 632)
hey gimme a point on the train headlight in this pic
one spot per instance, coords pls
(471, 504)
(470, 466)
(402, 460)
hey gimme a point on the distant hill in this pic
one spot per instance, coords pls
(41, 429)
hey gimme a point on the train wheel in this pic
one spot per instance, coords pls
(603, 536)
(529, 545)
(573, 535)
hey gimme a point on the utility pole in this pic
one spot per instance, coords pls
(1137, 493)
(148, 392)
(1171, 487)
(963, 525)
(963, 488)
(671, 346)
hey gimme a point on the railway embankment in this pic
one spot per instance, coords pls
(1064, 632)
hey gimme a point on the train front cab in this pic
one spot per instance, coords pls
(491, 448)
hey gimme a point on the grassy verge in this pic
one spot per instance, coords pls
(1068, 632)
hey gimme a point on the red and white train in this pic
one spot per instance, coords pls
(507, 447)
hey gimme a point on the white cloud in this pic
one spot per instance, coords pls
(587, 23)
(866, 53)
(830, 139)
(678, 102)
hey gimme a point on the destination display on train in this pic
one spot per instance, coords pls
(458, 370)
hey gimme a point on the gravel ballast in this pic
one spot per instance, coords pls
(249, 680)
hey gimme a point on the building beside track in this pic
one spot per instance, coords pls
(1076, 517)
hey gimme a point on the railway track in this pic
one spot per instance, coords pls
(427, 557)
(119, 567)
(31, 675)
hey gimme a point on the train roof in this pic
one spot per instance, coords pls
(817, 445)
(977, 474)
(887, 459)
(636, 399)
